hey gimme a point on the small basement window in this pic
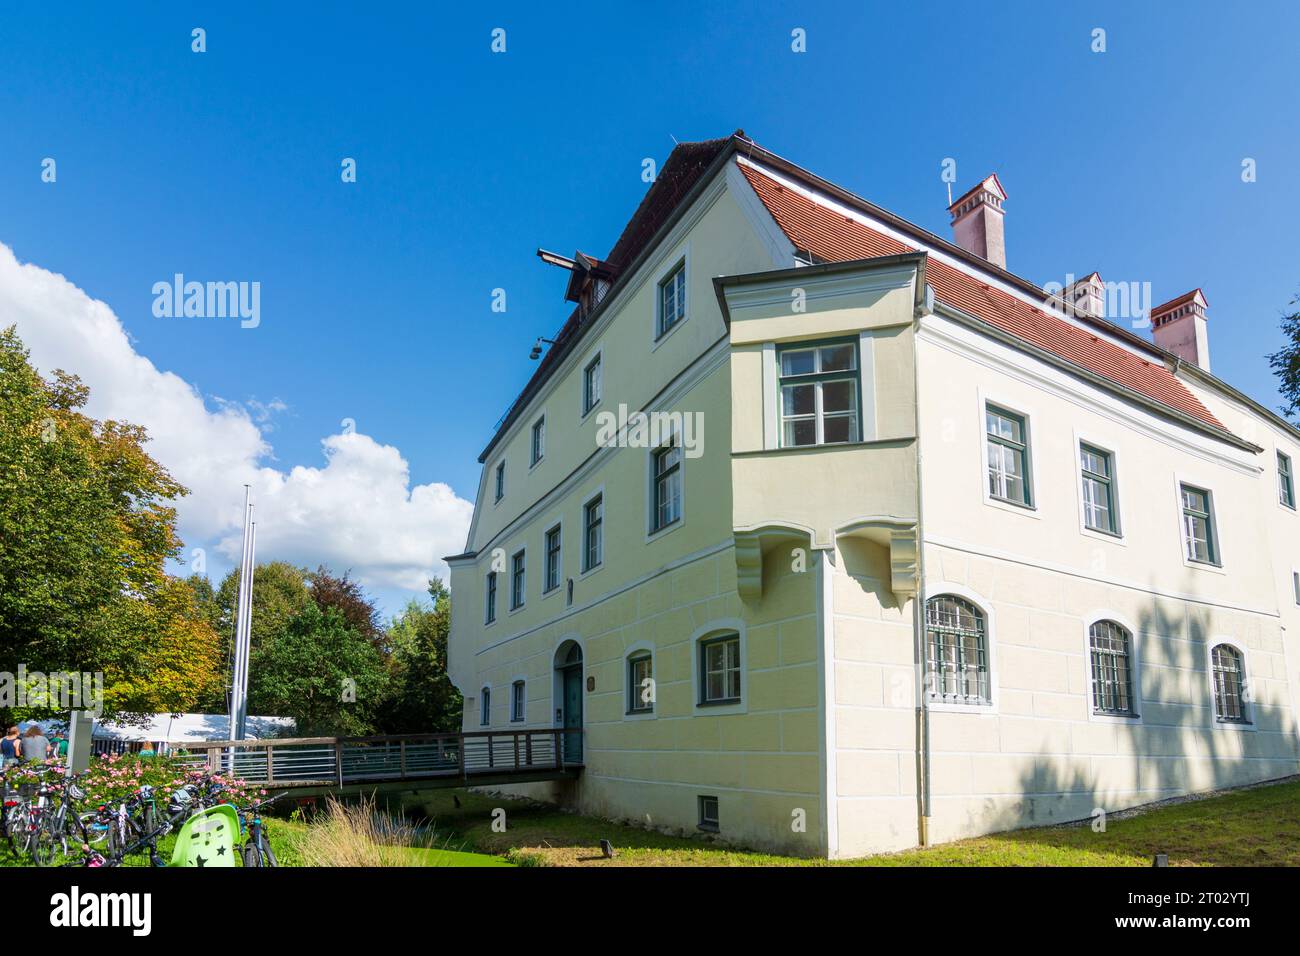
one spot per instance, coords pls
(709, 814)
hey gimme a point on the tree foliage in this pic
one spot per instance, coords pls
(422, 697)
(321, 672)
(1286, 364)
(86, 529)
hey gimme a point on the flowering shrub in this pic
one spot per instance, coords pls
(113, 778)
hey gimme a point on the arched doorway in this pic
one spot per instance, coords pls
(568, 697)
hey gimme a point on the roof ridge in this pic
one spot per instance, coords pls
(832, 236)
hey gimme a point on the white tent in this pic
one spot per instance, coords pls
(186, 728)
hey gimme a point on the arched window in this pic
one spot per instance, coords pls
(485, 706)
(1229, 675)
(1111, 650)
(957, 657)
(640, 682)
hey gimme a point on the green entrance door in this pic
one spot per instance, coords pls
(573, 713)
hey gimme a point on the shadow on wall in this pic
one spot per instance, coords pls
(1176, 748)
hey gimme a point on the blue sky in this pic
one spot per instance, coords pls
(376, 295)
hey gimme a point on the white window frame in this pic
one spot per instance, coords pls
(640, 649)
(670, 264)
(510, 577)
(1197, 483)
(1247, 701)
(817, 380)
(492, 590)
(938, 589)
(1295, 586)
(712, 630)
(519, 706)
(1279, 454)
(549, 589)
(499, 482)
(651, 491)
(1134, 664)
(1026, 414)
(680, 296)
(1117, 536)
(537, 441)
(485, 706)
(583, 571)
(596, 357)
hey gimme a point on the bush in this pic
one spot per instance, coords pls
(113, 778)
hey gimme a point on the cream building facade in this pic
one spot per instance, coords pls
(905, 548)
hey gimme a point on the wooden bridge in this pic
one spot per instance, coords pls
(315, 765)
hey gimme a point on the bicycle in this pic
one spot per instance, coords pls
(256, 849)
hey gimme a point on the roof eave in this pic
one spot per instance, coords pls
(1146, 401)
(722, 283)
(534, 385)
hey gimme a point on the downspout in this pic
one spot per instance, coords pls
(918, 603)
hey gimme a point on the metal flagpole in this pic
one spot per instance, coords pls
(241, 716)
(237, 663)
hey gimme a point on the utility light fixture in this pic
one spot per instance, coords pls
(536, 353)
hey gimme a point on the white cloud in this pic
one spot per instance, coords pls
(357, 512)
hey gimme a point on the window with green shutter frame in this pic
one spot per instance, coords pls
(1096, 470)
(1007, 440)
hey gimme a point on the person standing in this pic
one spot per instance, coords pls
(36, 746)
(10, 748)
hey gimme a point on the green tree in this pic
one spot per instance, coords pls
(1286, 363)
(423, 698)
(320, 672)
(279, 595)
(86, 529)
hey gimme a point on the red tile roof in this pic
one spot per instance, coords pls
(832, 236)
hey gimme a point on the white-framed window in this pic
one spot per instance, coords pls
(518, 581)
(554, 563)
(485, 706)
(490, 599)
(957, 651)
(500, 481)
(1199, 532)
(538, 447)
(1007, 449)
(818, 384)
(518, 702)
(1111, 661)
(1285, 481)
(592, 384)
(1097, 481)
(720, 669)
(593, 533)
(671, 300)
(640, 682)
(1295, 586)
(1230, 685)
(666, 485)
(708, 811)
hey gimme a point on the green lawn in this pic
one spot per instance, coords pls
(1257, 827)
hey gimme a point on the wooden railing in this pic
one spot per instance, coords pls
(339, 761)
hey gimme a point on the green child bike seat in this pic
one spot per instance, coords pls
(208, 838)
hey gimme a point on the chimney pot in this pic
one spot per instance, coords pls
(977, 221)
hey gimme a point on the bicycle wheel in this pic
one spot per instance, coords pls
(252, 856)
(45, 846)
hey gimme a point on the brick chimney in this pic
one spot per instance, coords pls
(1179, 326)
(977, 221)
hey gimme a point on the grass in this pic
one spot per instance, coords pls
(1255, 827)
